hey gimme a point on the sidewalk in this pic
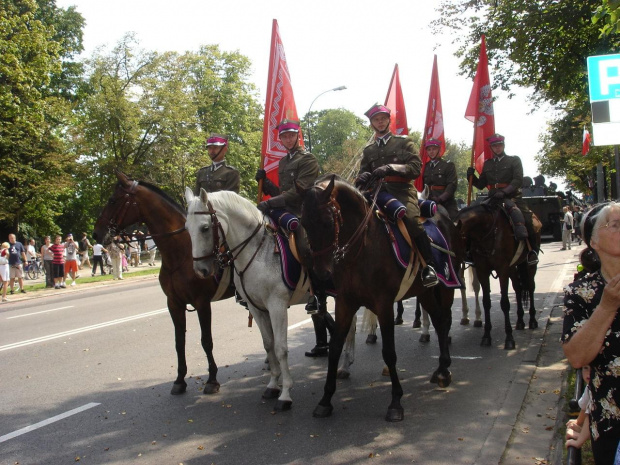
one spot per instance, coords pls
(85, 281)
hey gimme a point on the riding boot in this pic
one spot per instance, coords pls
(517, 220)
(317, 303)
(429, 277)
(532, 242)
(320, 331)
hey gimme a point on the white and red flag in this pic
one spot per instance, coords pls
(585, 146)
(394, 101)
(280, 104)
(480, 111)
(433, 125)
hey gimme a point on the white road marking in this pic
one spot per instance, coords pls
(15, 345)
(38, 313)
(49, 421)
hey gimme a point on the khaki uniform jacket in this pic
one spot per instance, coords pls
(508, 170)
(302, 168)
(399, 150)
(442, 174)
(225, 178)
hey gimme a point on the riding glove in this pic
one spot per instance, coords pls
(362, 179)
(470, 172)
(264, 206)
(260, 174)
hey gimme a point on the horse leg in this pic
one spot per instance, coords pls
(518, 285)
(177, 313)
(400, 309)
(386, 317)
(344, 317)
(279, 322)
(509, 343)
(464, 306)
(418, 314)
(531, 273)
(439, 301)
(348, 354)
(206, 339)
(266, 331)
(475, 283)
(486, 304)
(426, 323)
(369, 325)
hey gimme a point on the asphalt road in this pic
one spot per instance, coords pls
(86, 376)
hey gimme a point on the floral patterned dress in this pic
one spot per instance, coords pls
(580, 299)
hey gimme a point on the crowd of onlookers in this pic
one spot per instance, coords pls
(63, 260)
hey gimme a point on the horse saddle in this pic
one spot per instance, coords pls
(289, 263)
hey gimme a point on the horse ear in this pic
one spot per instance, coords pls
(327, 193)
(203, 196)
(122, 177)
(189, 195)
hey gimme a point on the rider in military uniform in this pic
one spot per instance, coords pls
(301, 167)
(503, 176)
(393, 159)
(218, 176)
(440, 177)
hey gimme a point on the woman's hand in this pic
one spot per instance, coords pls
(611, 294)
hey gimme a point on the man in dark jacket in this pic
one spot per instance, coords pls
(218, 176)
(502, 175)
(440, 177)
(393, 160)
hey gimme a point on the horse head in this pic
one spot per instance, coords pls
(204, 229)
(120, 211)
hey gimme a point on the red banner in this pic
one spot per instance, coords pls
(279, 104)
(395, 102)
(585, 145)
(433, 126)
(480, 111)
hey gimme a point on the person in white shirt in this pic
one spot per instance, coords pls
(567, 229)
(98, 257)
(150, 246)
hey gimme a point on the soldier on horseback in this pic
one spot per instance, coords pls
(440, 177)
(392, 159)
(218, 176)
(503, 176)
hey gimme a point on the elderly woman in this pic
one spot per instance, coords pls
(591, 333)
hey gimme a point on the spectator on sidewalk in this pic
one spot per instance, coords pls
(149, 245)
(48, 257)
(84, 248)
(591, 331)
(134, 247)
(58, 262)
(567, 229)
(98, 251)
(4, 269)
(116, 254)
(17, 258)
(71, 264)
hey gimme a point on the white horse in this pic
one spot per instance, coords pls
(225, 220)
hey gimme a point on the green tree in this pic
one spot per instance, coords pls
(37, 40)
(609, 12)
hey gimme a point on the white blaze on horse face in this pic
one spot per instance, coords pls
(198, 227)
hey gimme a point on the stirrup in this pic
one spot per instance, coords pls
(532, 257)
(429, 277)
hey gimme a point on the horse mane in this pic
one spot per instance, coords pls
(231, 201)
(162, 194)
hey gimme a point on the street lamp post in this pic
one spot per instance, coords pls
(309, 109)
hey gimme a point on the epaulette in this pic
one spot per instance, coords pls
(400, 136)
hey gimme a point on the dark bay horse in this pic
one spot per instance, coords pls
(494, 248)
(350, 245)
(140, 202)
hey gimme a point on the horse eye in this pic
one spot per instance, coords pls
(205, 228)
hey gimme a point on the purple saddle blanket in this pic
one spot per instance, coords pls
(445, 268)
(291, 268)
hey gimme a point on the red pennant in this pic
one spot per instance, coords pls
(480, 110)
(433, 126)
(585, 146)
(279, 104)
(395, 102)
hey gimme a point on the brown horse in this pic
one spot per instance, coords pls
(494, 248)
(139, 202)
(350, 245)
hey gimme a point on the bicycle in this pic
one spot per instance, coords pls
(34, 269)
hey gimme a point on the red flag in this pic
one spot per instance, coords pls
(395, 102)
(433, 126)
(480, 111)
(280, 104)
(585, 148)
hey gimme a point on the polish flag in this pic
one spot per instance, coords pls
(395, 102)
(585, 147)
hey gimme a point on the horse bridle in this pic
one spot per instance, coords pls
(339, 252)
(224, 255)
(119, 215)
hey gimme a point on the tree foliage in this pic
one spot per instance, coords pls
(609, 12)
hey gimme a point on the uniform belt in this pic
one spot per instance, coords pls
(397, 179)
(499, 185)
(437, 188)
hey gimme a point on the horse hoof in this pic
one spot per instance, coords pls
(398, 321)
(271, 393)
(520, 325)
(416, 324)
(371, 339)
(283, 405)
(322, 412)
(509, 345)
(478, 324)
(395, 414)
(444, 381)
(486, 342)
(464, 321)
(211, 388)
(425, 338)
(179, 388)
(533, 324)
(385, 371)
(343, 374)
